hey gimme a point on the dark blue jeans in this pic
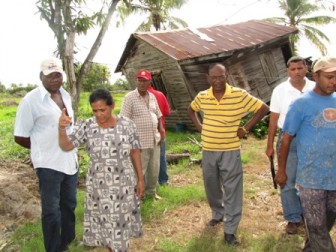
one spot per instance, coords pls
(58, 202)
(163, 175)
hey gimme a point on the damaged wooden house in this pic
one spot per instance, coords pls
(255, 53)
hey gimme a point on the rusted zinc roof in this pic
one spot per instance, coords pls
(191, 43)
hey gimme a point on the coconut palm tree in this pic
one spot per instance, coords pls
(300, 14)
(158, 11)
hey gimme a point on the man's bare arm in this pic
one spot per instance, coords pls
(272, 128)
(23, 141)
(193, 117)
(280, 176)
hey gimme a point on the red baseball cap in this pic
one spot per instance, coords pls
(144, 74)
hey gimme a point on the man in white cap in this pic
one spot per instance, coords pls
(312, 119)
(36, 128)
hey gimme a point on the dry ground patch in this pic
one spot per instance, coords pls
(262, 213)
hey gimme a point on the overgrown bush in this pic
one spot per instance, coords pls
(20, 89)
(121, 84)
(260, 130)
(2, 88)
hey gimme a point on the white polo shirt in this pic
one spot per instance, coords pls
(37, 117)
(283, 95)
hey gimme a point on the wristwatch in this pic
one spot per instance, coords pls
(245, 130)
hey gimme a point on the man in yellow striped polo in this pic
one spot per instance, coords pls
(223, 107)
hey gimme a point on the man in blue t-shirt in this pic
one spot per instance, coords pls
(312, 119)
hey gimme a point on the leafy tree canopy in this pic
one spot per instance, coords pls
(157, 11)
(97, 76)
(68, 19)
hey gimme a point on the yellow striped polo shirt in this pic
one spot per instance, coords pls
(221, 119)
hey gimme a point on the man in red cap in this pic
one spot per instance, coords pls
(141, 106)
(165, 110)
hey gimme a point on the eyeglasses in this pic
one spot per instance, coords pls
(214, 78)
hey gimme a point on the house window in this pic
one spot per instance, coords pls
(268, 65)
(158, 84)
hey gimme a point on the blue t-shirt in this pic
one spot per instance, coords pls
(312, 118)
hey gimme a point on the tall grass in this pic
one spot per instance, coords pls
(84, 108)
(8, 148)
(28, 237)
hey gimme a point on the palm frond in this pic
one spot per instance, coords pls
(276, 20)
(316, 40)
(157, 11)
(316, 32)
(319, 20)
(299, 14)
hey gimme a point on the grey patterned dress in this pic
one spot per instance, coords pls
(112, 212)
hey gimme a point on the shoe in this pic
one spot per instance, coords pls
(157, 197)
(307, 246)
(214, 222)
(151, 197)
(230, 239)
(292, 228)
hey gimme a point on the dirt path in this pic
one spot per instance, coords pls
(19, 199)
(262, 212)
(19, 203)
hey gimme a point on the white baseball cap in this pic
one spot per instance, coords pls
(51, 65)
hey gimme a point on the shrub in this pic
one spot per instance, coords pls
(20, 89)
(260, 130)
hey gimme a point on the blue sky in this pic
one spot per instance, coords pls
(26, 40)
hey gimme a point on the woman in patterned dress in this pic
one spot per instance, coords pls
(114, 182)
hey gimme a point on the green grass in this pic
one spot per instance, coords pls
(28, 237)
(8, 148)
(207, 241)
(172, 197)
(84, 108)
(180, 142)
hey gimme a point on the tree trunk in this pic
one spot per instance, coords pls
(94, 49)
(175, 158)
(62, 20)
(68, 53)
(68, 61)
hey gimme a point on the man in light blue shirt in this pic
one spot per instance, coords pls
(312, 119)
(36, 128)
